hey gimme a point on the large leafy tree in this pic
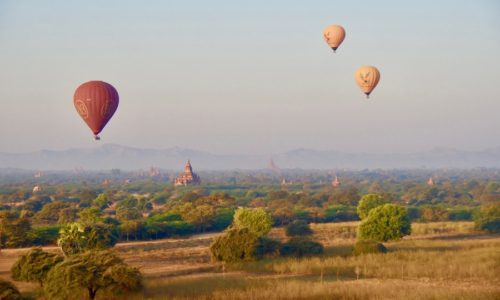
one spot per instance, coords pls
(14, 229)
(384, 223)
(76, 238)
(369, 202)
(257, 220)
(34, 266)
(8, 291)
(91, 272)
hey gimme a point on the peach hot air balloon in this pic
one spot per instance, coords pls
(334, 35)
(96, 102)
(367, 78)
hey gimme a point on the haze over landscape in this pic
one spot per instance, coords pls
(110, 156)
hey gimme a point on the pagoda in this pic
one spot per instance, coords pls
(336, 182)
(188, 177)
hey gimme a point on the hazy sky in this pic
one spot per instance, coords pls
(252, 76)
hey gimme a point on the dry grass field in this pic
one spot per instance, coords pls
(438, 261)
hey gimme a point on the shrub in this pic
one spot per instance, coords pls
(460, 214)
(8, 291)
(257, 220)
(340, 213)
(267, 247)
(488, 218)
(433, 214)
(387, 222)
(298, 228)
(237, 244)
(368, 246)
(299, 247)
(369, 202)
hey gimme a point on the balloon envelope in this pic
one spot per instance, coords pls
(334, 35)
(96, 102)
(367, 78)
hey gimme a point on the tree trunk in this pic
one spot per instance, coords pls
(92, 293)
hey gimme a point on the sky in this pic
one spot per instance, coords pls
(252, 77)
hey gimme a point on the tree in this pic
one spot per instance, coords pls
(298, 228)
(67, 215)
(14, 229)
(300, 247)
(386, 222)
(257, 220)
(200, 216)
(340, 213)
(131, 227)
(76, 237)
(50, 212)
(89, 216)
(34, 266)
(101, 202)
(488, 218)
(369, 202)
(368, 247)
(237, 244)
(223, 218)
(92, 272)
(72, 239)
(8, 291)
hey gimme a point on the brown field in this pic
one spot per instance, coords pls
(445, 260)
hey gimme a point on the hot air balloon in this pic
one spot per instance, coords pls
(334, 35)
(367, 78)
(96, 102)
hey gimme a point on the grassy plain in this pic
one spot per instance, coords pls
(445, 260)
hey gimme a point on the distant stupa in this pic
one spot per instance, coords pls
(188, 177)
(285, 183)
(336, 182)
(430, 181)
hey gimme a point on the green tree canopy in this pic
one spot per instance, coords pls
(34, 265)
(237, 244)
(101, 201)
(8, 291)
(91, 272)
(89, 216)
(257, 220)
(76, 238)
(384, 223)
(369, 202)
(488, 218)
(50, 212)
(14, 229)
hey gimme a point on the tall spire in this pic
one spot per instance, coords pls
(188, 177)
